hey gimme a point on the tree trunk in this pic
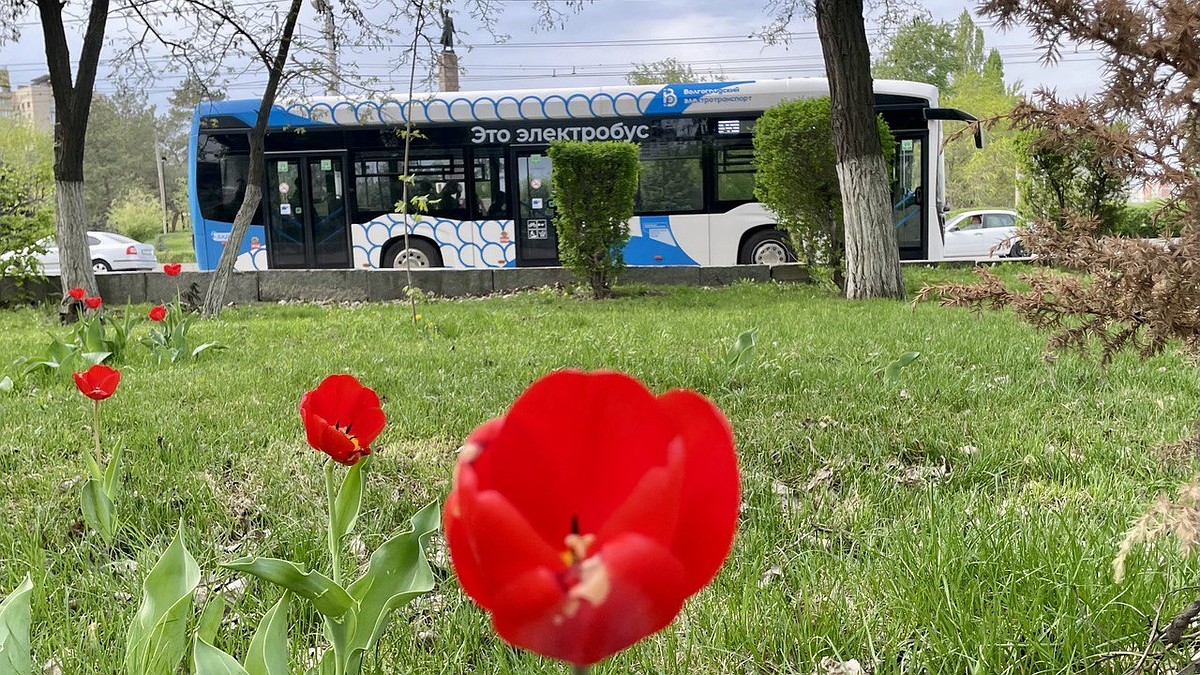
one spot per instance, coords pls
(215, 297)
(872, 254)
(72, 103)
(74, 254)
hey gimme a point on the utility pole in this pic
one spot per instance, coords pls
(325, 9)
(162, 184)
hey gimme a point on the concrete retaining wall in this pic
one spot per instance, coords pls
(375, 285)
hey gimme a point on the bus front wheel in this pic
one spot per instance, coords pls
(766, 247)
(419, 253)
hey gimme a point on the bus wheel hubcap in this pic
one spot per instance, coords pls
(770, 253)
(418, 258)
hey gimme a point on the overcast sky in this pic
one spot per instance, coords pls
(598, 46)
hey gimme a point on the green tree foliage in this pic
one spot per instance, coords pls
(119, 153)
(668, 71)
(26, 195)
(922, 51)
(1073, 174)
(594, 185)
(137, 214)
(796, 176)
(954, 57)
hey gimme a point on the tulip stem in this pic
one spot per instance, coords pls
(579, 670)
(331, 492)
(94, 465)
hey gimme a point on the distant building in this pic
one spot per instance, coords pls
(32, 103)
(1149, 191)
(6, 108)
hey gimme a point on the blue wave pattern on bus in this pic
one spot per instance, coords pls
(483, 244)
(669, 100)
(656, 245)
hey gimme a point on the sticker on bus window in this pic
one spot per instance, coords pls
(283, 188)
(906, 144)
(537, 229)
(281, 166)
(285, 209)
(536, 183)
(535, 203)
(535, 159)
(327, 164)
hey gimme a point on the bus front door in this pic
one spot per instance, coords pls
(307, 225)
(537, 241)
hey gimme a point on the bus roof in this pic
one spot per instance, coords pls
(617, 101)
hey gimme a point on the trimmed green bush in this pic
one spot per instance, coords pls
(594, 185)
(1146, 220)
(796, 176)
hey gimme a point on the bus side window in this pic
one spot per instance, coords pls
(490, 201)
(671, 178)
(735, 173)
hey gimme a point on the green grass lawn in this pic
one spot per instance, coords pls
(963, 519)
(175, 247)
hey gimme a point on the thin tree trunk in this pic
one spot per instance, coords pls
(74, 254)
(215, 298)
(872, 254)
(72, 103)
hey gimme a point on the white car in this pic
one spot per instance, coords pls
(984, 233)
(110, 252)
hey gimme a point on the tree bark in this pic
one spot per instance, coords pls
(215, 298)
(872, 254)
(72, 103)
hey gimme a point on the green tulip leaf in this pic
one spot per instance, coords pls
(208, 660)
(330, 599)
(210, 619)
(60, 352)
(91, 358)
(742, 353)
(157, 638)
(268, 653)
(98, 510)
(892, 372)
(215, 346)
(398, 572)
(346, 505)
(16, 656)
(112, 471)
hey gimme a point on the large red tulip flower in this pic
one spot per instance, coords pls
(584, 517)
(342, 418)
(98, 382)
(172, 269)
(77, 293)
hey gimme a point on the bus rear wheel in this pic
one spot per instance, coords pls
(766, 247)
(420, 253)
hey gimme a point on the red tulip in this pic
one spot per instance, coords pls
(98, 382)
(172, 269)
(93, 302)
(77, 293)
(342, 418)
(158, 313)
(585, 516)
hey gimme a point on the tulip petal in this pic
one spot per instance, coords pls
(710, 493)
(653, 507)
(466, 565)
(574, 447)
(503, 545)
(643, 593)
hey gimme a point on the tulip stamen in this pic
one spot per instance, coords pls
(346, 430)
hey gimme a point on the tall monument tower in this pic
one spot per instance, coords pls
(447, 60)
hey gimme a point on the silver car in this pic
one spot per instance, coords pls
(110, 252)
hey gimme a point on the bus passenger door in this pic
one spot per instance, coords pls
(909, 205)
(537, 241)
(307, 224)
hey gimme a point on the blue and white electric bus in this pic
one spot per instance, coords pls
(334, 168)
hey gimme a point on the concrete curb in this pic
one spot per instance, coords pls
(378, 285)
